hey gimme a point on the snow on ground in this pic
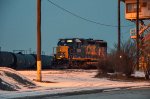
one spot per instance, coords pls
(139, 74)
(60, 81)
(11, 80)
(74, 79)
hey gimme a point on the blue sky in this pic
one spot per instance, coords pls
(18, 23)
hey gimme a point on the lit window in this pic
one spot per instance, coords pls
(69, 41)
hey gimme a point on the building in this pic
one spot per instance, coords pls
(130, 11)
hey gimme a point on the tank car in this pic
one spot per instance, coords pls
(25, 61)
(7, 59)
(46, 61)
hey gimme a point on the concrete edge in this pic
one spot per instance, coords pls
(81, 92)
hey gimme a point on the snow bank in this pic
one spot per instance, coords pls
(139, 74)
(11, 80)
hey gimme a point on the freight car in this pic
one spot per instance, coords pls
(7, 59)
(79, 53)
(23, 61)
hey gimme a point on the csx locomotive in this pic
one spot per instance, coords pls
(79, 52)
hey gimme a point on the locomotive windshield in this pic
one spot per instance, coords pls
(65, 42)
(61, 43)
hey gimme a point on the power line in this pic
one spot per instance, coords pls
(85, 19)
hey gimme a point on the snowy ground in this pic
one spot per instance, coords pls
(60, 81)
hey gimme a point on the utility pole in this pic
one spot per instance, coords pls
(137, 33)
(119, 28)
(39, 64)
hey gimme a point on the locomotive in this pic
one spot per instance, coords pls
(69, 53)
(79, 52)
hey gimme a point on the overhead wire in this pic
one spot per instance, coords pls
(85, 19)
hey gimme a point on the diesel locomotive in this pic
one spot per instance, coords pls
(79, 52)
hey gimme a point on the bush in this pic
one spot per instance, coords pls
(105, 65)
(122, 61)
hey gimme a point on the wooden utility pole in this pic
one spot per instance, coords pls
(39, 64)
(137, 33)
(119, 28)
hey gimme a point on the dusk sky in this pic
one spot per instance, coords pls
(18, 23)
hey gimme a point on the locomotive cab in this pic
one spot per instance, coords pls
(64, 48)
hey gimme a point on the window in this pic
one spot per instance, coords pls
(144, 4)
(61, 43)
(69, 41)
(149, 6)
(131, 7)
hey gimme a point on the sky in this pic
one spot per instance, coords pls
(18, 25)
